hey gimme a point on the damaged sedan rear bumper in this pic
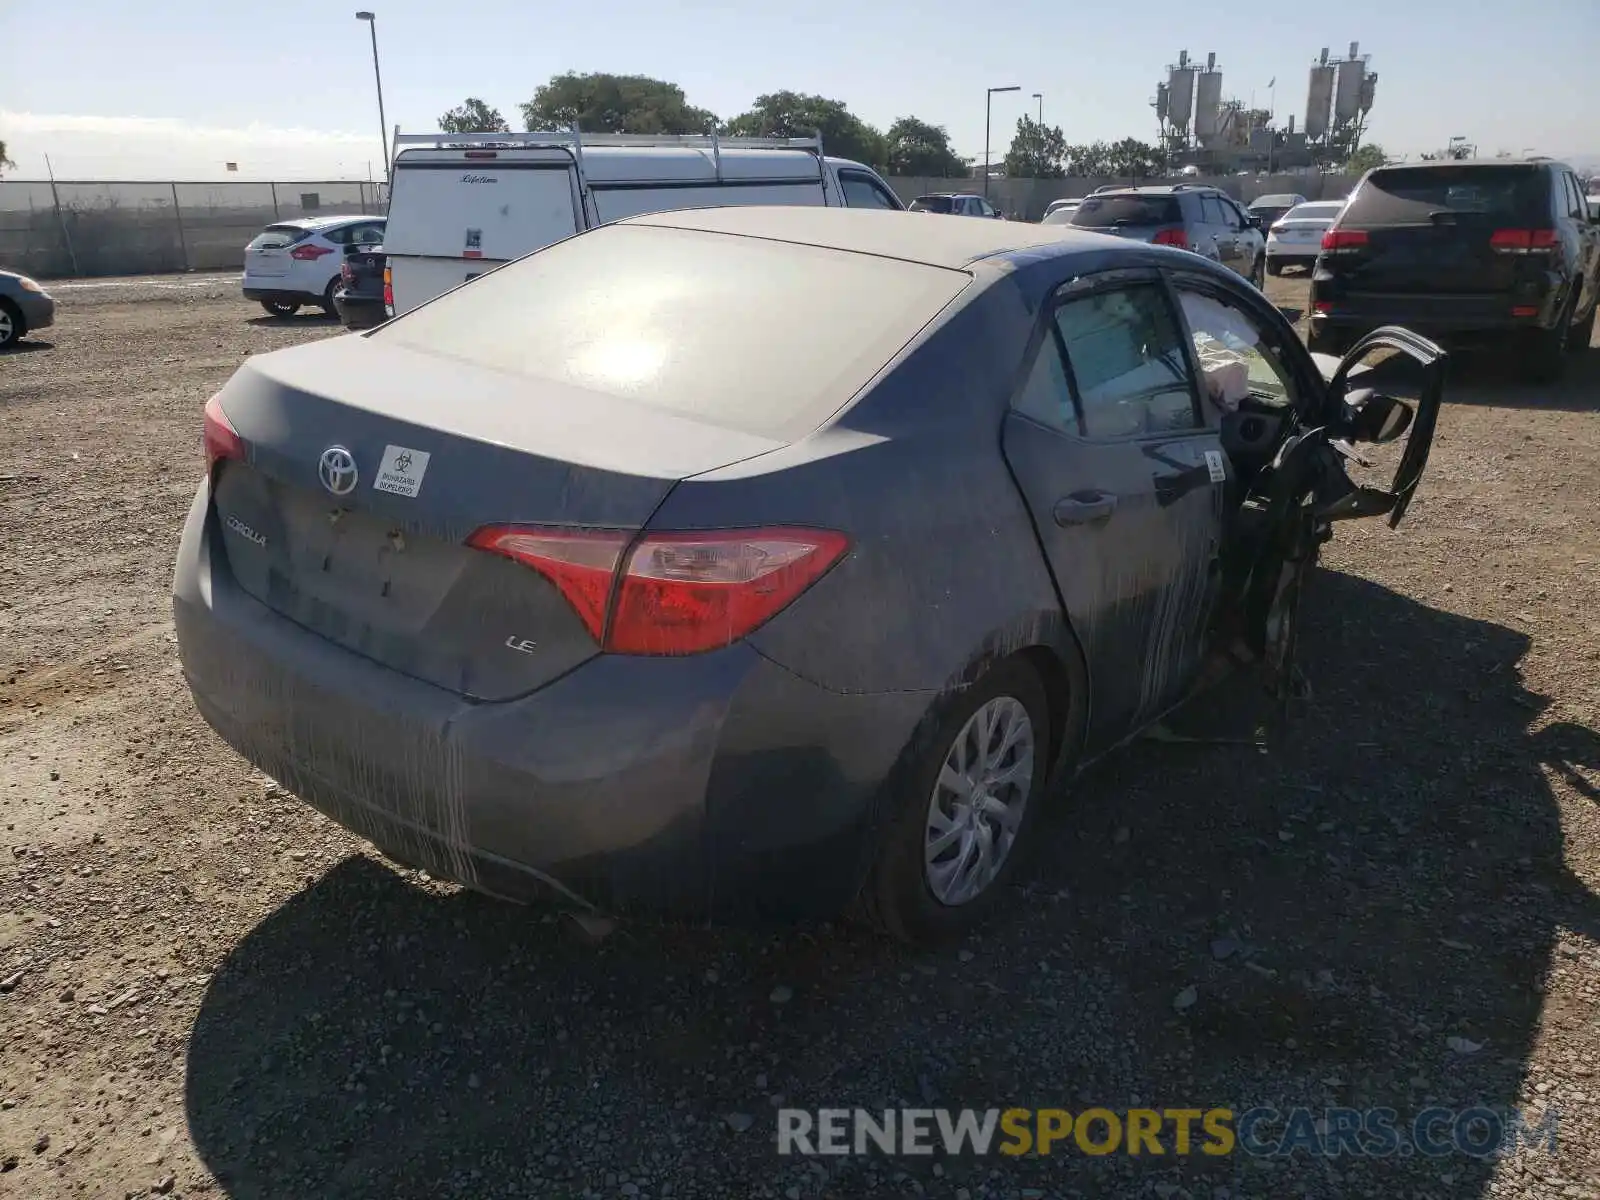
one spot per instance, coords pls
(718, 784)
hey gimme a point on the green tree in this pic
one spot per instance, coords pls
(793, 114)
(602, 103)
(918, 148)
(1092, 160)
(1037, 151)
(1134, 159)
(1367, 157)
(473, 116)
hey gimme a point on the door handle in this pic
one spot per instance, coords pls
(1084, 508)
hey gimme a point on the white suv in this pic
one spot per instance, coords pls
(292, 263)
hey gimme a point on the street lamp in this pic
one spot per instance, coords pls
(1039, 96)
(383, 123)
(988, 106)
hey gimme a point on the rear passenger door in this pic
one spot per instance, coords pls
(1125, 485)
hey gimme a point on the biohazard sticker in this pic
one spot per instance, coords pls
(401, 471)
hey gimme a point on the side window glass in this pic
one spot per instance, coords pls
(339, 237)
(1127, 362)
(1576, 207)
(1234, 357)
(861, 192)
(1046, 397)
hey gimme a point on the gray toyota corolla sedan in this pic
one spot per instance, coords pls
(763, 559)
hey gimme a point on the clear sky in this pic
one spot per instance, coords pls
(164, 87)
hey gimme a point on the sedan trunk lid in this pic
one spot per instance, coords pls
(350, 512)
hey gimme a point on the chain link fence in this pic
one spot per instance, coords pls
(71, 227)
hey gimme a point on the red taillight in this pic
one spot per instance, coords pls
(310, 253)
(220, 440)
(1172, 237)
(1322, 306)
(388, 287)
(1525, 310)
(346, 274)
(1522, 241)
(1343, 241)
(675, 593)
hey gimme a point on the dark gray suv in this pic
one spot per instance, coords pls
(1192, 216)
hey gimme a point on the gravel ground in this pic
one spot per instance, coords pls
(205, 987)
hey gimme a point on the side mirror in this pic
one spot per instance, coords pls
(1373, 416)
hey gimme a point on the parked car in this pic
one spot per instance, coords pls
(1267, 209)
(290, 264)
(1192, 217)
(647, 623)
(461, 204)
(956, 204)
(1059, 212)
(1466, 251)
(25, 307)
(1295, 239)
(362, 295)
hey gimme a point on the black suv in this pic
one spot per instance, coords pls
(1461, 251)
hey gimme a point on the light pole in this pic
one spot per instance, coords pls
(988, 107)
(1039, 96)
(383, 124)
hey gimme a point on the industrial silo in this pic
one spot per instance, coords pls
(1347, 92)
(1207, 98)
(1180, 95)
(1319, 98)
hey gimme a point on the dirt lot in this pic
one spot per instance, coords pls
(207, 988)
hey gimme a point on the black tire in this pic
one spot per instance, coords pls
(1274, 268)
(280, 308)
(1258, 272)
(1327, 341)
(897, 897)
(1545, 358)
(327, 304)
(1580, 335)
(13, 327)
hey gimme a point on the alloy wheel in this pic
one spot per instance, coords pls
(978, 801)
(8, 328)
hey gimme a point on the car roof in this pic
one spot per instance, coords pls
(327, 222)
(903, 235)
(1448, 163)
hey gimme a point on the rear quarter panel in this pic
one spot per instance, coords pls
(944, 567)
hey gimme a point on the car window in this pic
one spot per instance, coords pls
(1046, 397)
(862, 191)
(1575, 205)
(277, 237)
(1411, 195)
(1101, 212)
(1236, 215)
(1233, 354)
(341, 235)
(1126, 362)
(1211, 211)
(934, 204)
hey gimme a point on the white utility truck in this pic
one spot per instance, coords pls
(461, 204)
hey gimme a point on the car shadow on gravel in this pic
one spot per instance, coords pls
(25, 346)
(299, 321)
(1343, 903)
(1491, 377)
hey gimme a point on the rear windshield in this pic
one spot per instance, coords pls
(276, 237)
(767, 337)
(1061, 216)
(1314, 212)
(939, 204)
(1404, 196)
(1284, 201)
(1098, 212)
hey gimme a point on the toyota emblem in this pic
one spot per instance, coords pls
(337, 470)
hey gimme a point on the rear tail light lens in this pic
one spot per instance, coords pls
(346, 274)
(1322, 306)
(1522, 241)
(1344, 241)
(1525, 310)
(388, 288)
(221, 441)
(672, 593)
(1172, 237)
(309, 253)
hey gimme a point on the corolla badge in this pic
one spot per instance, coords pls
(337, 470)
